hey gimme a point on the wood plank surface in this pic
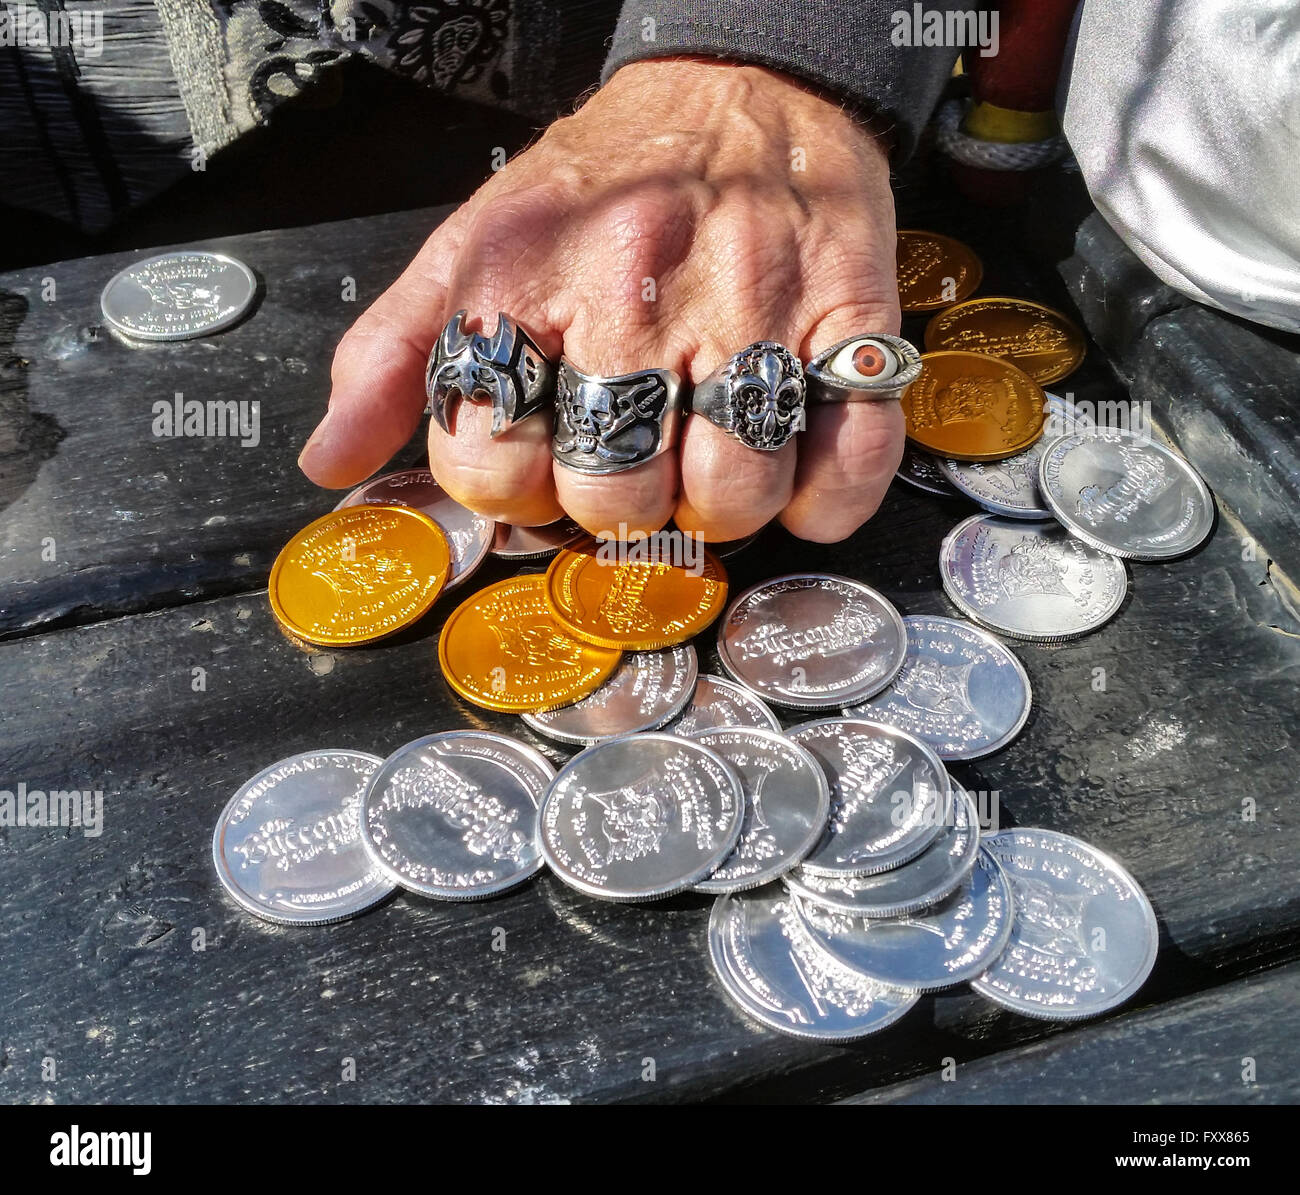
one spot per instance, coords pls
(138, 520)
(1223, 389)
(1230, 1045)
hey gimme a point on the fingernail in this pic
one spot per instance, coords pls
(316, 450)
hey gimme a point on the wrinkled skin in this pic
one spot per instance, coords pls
(688, 209)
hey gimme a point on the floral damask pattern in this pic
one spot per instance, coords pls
(448, 41)
(276, 48)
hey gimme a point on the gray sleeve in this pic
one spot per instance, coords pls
(846, 47)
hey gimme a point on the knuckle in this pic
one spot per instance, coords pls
(644, 230)
(833, 528)
(483, 489)
(734, 492)
(641, 498)
(872, 445)
(378, 341)
(508, 240)
(856, 316)
(360, 341)
(485, 484)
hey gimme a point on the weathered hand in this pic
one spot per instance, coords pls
(686, 210)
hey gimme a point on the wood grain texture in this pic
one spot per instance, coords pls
(97, 932)
(1190, 1051)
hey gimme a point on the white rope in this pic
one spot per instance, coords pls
(992, 155)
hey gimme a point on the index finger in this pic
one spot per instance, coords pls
(377, 393)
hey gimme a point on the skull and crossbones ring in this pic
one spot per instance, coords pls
(506, 369)
(757, 396)
(606, 425)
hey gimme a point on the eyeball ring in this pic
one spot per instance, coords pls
(874, 368)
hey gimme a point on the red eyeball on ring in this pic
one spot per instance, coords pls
(866, 360)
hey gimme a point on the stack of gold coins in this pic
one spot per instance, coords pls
(934, 271)
(502, 649)
(535, 643)
(969, 407)
(358, 575)
(1037, 340)
(529, 644)
(632, 601)
(988, 358)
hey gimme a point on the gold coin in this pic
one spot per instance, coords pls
(636, 605)
(503, 650)
(973, 408)
(1035, 339)
(359, 574)
(934, 270)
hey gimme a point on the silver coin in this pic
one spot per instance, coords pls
(934, 874)
(1009, 487)
(939, 947)
(921, 471)
(1126, 495)
(770, 965)
(558, 754)
(177, 296)
(719, 702)
(812, 641)
(287, 845)
(454, 815)
(640, 817)
(1029, 580)
(647, 689)
(469, 536)
(533, 543)
(1085, 935)
(960, 691)
(787, 803)
(889, 796)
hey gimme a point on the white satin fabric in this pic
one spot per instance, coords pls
(1184, 116)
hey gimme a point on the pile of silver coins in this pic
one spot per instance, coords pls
(1045, 561)
(848, 868)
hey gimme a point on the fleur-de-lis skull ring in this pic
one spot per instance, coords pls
(607, 425)
(757, 396)
(506, 369)
(873, 368)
